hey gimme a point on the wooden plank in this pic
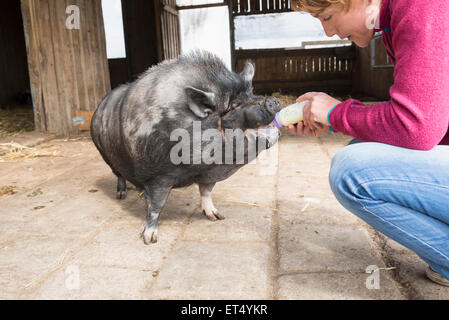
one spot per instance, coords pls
(232, 33)
(243, 5)
(64, 89)
(47, 67)
(164, 34)
(169, 35)
(71, 63)
(93, 47)
(173, 35)
(175, 45)
(158, 29)
(80, 77)
(347, 52)
(170, 10)
(104, 75)
(85, 52)
(252, 5)
(178, 39)
(256, 7)
(264, 5)
(31, 42)
(263, 12)
(211, 5)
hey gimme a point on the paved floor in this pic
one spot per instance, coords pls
(63, 235)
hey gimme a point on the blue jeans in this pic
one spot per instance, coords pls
(402, 193)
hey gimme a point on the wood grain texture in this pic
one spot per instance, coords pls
(327, 69)
(68, 67)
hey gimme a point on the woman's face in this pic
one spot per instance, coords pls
(356, 24)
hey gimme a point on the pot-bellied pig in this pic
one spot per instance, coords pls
(184, 121)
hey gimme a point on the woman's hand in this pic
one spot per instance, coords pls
(317, 110)
(301, 130)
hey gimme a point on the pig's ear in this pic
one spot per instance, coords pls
(248, 72)
(201, 103)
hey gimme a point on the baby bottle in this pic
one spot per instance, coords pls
(290, 115)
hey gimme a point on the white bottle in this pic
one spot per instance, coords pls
(290, 115)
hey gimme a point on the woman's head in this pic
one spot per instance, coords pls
(352, 19)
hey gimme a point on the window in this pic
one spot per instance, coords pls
(113, 27)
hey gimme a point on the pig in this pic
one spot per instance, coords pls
(133, 128)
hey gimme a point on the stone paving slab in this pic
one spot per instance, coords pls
(324, 248)
(284, 237)
(95, 283)
(214, 270)
(336, 286)
(310, 210)
(241, 224)
(25, 259)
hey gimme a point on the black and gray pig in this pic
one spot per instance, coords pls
(137, 128)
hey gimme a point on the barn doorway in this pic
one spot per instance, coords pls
(16, 107)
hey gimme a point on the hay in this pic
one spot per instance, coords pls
(12, 152)
(7, 190)
(286, 100)
(16, 120)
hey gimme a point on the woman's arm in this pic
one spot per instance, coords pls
(417, 116)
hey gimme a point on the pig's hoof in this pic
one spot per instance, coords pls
(121, 195)
(149, 235)
(213, 215)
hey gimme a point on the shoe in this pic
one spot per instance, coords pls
(436, 277)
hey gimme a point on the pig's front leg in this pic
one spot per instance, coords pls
(155, 196)
(207, 205)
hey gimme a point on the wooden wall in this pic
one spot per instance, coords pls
(68, 68)
(151, 33)
(368, 82)
(170, 30)
(14, 78)
(260, 6)
(141, 25)
(300, 70)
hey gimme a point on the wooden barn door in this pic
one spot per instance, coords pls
(151, 33)
(170, 29)
(68, 66)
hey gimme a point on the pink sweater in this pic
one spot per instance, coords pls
(416, 36)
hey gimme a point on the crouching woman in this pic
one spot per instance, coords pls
(395, 174)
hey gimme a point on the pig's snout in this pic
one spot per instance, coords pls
(272, 105)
